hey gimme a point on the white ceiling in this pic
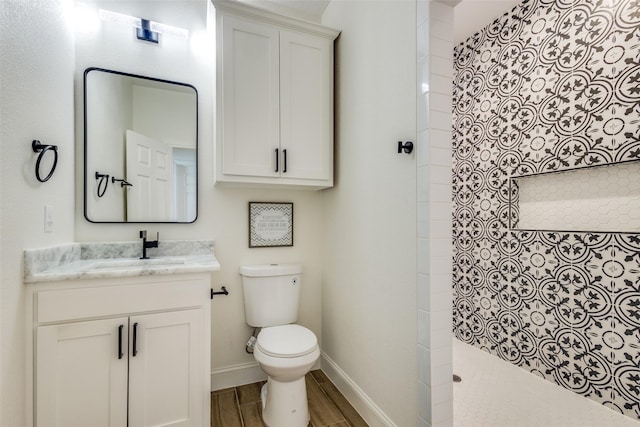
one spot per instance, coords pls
(472, 15)
(313, 7)
(310, 10)
(469, 15)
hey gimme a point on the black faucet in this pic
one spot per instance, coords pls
(148, 244)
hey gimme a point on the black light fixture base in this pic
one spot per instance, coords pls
(145, 32)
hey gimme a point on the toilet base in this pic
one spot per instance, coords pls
(284, 404)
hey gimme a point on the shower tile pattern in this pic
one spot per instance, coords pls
(552, 85)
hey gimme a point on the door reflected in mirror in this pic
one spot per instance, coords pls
(140, 148)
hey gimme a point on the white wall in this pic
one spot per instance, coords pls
(36, 102)
(369, 281)
(222, 212)
(170, 115)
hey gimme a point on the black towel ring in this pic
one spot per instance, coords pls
(102, 183)
(43, 148)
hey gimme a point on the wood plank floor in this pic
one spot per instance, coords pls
(241, 406)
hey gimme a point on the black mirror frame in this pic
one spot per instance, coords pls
(84, 99)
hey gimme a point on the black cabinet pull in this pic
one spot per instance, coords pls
(277, 160)
(120, 353)
(135, 339)
(284, 153)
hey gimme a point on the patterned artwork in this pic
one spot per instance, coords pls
(550, 86)
(270, 224)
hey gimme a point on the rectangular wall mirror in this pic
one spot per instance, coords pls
(140, 148)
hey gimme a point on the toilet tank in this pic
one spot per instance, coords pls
(271, 293)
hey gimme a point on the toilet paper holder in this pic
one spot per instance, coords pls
(223, 291)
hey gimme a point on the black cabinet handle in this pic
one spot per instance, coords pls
(284, 153)
(277, 159)
(120, 353)
(135, 339)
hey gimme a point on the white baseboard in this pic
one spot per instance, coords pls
(236, 375)
(372, 414)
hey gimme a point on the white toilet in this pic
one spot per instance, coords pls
(284, 351)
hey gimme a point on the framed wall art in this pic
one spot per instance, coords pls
(270, 224)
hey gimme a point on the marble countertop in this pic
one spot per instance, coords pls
(78, 261)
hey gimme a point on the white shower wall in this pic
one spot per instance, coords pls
(434, 259)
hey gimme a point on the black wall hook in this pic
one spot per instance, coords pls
(122, 182)
(43, 148)
(407, 147)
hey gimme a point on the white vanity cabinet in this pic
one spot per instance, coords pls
(274, 99)
(122, 352)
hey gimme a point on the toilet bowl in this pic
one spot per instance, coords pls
(283, 350)
(286, 354)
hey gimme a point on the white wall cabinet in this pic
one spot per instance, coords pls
(145, 364)
(274, 99)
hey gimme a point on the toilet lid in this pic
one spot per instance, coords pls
(286, 341)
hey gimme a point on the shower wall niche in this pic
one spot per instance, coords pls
(551, 87)
(604, 198)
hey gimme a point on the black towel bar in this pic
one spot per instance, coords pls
(122, 182)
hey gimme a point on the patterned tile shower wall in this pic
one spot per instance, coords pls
(549, 86)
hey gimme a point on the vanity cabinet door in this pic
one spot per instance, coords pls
(81, 374)
(166, 386)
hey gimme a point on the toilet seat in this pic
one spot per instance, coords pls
(286, 341)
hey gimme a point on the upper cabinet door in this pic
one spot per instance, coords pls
(251, 98)
(306, 105)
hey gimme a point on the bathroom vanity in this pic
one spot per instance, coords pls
(119, 341)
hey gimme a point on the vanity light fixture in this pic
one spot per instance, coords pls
(146, 29)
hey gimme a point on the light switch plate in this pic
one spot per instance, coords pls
(48, 219)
